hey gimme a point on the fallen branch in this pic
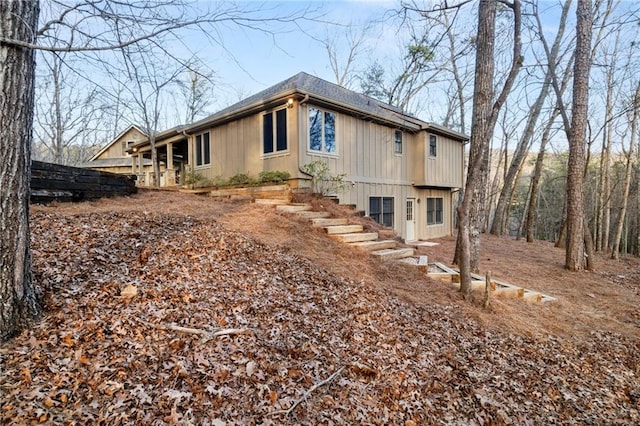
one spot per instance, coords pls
(206, 335)
(308, 393)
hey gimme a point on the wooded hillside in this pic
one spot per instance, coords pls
(310, 331)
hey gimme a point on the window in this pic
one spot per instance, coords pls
(381, 210)
(409, 210)
(398, 142)
(274, 132)
(322, 131)
(203, 149)
(432, 146)
(434, 211)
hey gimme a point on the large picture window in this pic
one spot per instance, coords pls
(322, 131)
(434, 211)
(381, 210)
(274, 131)
(203, 149)
(433, 146)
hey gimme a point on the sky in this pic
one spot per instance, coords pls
(248, 61)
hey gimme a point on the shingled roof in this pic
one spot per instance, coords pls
(317, 89)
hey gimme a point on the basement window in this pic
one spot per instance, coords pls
(434, 210)
(381, 210)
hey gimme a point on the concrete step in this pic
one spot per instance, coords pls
(272, 201)
(322, 222)
(397, 253)
(354, 238)
(375, 245)
(293, 208)
(343, 229)
(312, 215)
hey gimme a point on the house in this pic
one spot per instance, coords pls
(402, 171)
(114, 158)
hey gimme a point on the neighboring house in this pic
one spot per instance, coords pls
(403, 172)
(114, 157)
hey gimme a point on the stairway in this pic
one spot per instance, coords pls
(339, 229)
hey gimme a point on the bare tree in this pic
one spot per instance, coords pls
(344, 45)
(574, 259)
(65, 113)
(499, 224)
(635, 112)
(416, 71)
(198, 92)
(603, 215)
(87, 26)
(485, 114)
(144, 84)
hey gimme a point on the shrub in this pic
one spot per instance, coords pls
(273, 176)
(241, 179)
(322, 181)
(193, 178)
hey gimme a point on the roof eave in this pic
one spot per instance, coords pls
(445, 131)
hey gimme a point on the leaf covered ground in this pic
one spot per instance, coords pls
(322, 328)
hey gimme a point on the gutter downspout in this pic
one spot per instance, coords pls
(301, 136)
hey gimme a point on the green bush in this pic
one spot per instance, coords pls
(193, 178)
(241, 179)
(322, 181)
(273, 176)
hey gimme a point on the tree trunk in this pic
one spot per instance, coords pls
(588, 247)
(501, 217)
(478, 150)
(484, 117)
(19, 304)
(615, 249)
(535, 180)
(574, 255)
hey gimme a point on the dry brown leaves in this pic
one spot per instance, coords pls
(96, 359)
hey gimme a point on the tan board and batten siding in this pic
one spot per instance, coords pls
(236, 147)
(365, 154)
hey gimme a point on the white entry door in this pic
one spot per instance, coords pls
(411, 220)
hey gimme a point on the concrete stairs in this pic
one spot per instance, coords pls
(341, 230)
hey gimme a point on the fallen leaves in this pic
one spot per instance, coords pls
(224, 330)
(129, 291)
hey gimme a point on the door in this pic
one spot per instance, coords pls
(410, 228)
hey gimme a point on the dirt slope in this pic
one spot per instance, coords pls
(397, 347)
